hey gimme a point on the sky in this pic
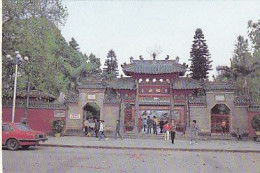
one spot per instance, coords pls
(133, 28)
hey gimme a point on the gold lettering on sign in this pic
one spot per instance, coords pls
(150, 90)
(158, 90)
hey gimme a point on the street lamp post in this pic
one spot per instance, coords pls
(27, 99)
(17, 60)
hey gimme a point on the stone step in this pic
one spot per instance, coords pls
(178, 136)
(159, 136)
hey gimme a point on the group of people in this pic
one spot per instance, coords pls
(170, 130)
(149, 124)
(99, 128)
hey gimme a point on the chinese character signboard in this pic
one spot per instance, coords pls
(59, 113)
(92, 97)
(220, 97)
(74, 116)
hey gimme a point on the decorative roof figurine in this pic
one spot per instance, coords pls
(154, 56)
(131, 59)
(177, 59)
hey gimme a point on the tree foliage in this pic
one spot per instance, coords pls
(110, 70)
(254, 33)
(244, 68)
(54, 65)
(199, 57)
(73, 43)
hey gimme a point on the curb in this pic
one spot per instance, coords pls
(146, 148)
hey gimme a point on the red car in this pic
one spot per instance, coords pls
(15, 135)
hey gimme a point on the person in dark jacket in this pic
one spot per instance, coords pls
(150, 125)
(161, 125)
(117, 132)
(173, 131)
(155, 124)
(96, 127)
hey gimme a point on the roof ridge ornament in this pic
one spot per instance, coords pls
(167, 57)
(177, 59)
(154, 56)
(131, 59)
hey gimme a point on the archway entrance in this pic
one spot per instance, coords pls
(91, 111)
(220, 113)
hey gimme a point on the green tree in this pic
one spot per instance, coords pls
(254, 33)
(242, 60)
(111, 66)
(93, 67)
(199, 57)
(31, 28)
(244, 69)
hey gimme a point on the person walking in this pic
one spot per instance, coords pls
(144, 123)
(101, 130)
(173, 131)
(86, 125)
(117, 132)
(155, 123)
(184, 128)
(194, 132)
(167, 129)
(239, 137)
(224, 127)
(150, 124)
(96, 127)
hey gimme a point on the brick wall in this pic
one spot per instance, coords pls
(38, 119)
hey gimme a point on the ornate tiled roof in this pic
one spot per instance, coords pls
(209, 86)
(154, 67)
(242, 101)
(197, 100)
(32, 94)
(43, 105)
(92, 84)
(254, 108)
(122, 83)
(185, 83)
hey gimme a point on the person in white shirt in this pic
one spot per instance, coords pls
(101, 130)
(86, 125)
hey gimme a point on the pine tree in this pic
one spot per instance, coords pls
(242, 61)
(199, 57)
(111, 66)
(74, 44)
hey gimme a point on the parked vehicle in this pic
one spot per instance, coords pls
(15, 135)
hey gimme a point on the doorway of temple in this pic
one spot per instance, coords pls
(220, 114)
(91, 111)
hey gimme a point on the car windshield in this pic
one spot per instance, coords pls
(23, 127)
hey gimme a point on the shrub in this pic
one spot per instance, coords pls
(256, 122)
(57, 126)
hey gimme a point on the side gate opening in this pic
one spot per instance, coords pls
(220, 114)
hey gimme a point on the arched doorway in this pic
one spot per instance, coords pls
(219, 113)
(91, 111)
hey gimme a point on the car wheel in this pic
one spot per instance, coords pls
(25, 146)
(12, 144)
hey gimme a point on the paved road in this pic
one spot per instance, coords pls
(53, 159)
